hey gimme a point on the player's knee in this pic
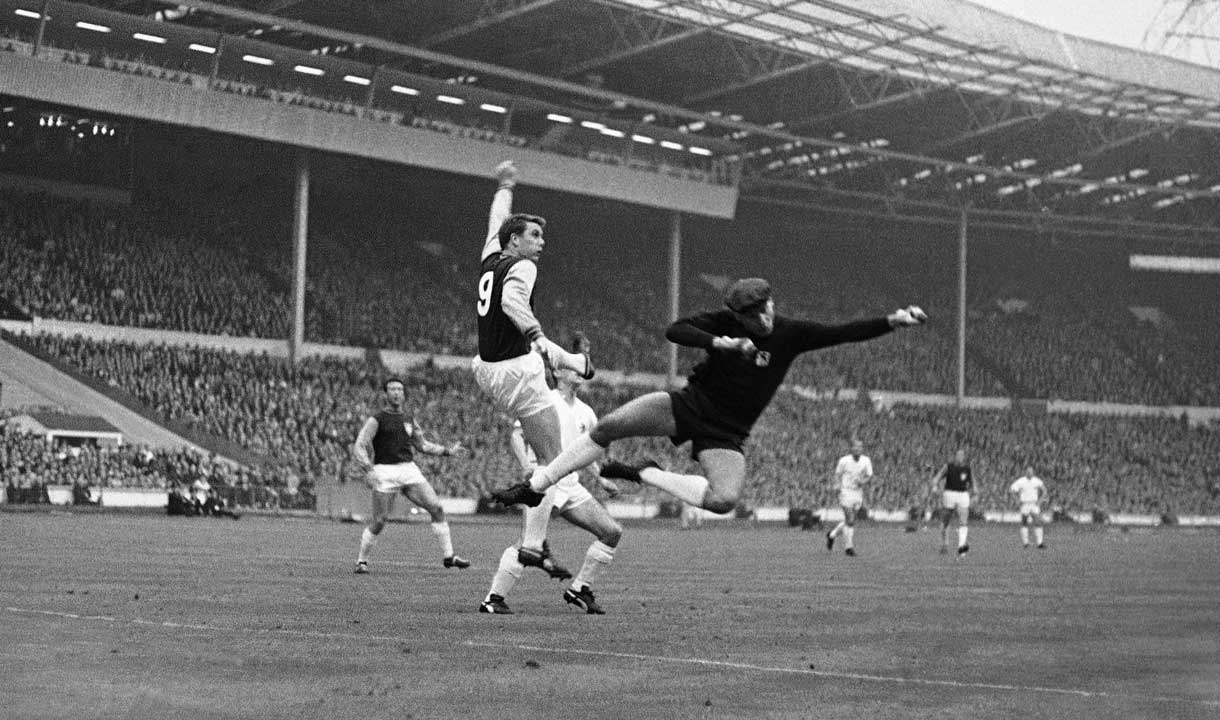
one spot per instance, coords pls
(377, 526)
(437, 512)
(604, 433)
(610, 535)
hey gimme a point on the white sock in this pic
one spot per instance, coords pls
(564, 360)
(689, 488)
(838, 529)
(849, 533)
(1024, 535)
(441, 530)
(537, 519)
(575, 456)
(1038, 535)
(367, 541)
(597, 558)
(962, 530)
(507, 574)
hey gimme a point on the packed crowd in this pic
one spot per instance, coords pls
(29, 465)
(1044, 322)
(303, 421)
(93, 263)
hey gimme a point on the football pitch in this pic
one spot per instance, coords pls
(146, 616)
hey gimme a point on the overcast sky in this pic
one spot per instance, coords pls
(1121, 22)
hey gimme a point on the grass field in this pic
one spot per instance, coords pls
(144, 616)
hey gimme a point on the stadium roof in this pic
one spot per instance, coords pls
(912, 108)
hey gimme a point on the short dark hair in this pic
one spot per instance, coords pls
(393, 379)
(516, 224)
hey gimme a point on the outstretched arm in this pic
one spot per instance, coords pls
(501, 206)
(426, 446)
(815, 335)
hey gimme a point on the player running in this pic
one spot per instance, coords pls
(1031, 492)
(573, 503)
(851, 473)
(749, 350)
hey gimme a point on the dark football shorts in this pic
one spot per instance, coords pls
(701, 422)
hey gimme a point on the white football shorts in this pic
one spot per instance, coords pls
(569, 493)
(853, 499)
(517, 386)
(954, 499)
(1031, 509)
(392, 478)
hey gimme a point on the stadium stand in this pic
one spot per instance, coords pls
(1032, 331)
(303, 420)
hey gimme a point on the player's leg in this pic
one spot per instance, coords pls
(719, 491)
(422, 494)
(837, 529)
(507, 574)
(542, 433)
(946, 516)
(532, 553)
(849, 529)
(383, 505)
(963, 527)
(593, 517)
(1036, 517)
(1026, 521)
(692, 517)
(646, 416)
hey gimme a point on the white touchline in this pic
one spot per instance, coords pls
(640, 656)
(850, 675)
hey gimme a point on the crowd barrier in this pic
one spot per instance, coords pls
(351, 501)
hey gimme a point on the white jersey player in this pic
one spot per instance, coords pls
(1030, 492)
(852, 472)
(572, 501)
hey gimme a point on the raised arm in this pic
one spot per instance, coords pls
(501, 206)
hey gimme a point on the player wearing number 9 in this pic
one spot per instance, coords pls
(507, 369)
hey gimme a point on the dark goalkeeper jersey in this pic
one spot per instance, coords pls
(740, 388)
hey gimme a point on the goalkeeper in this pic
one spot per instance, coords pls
(749, 350)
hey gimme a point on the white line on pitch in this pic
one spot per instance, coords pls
(849, 675)
(655, 658)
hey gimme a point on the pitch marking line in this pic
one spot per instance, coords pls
(652, 658)
(850, 675)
